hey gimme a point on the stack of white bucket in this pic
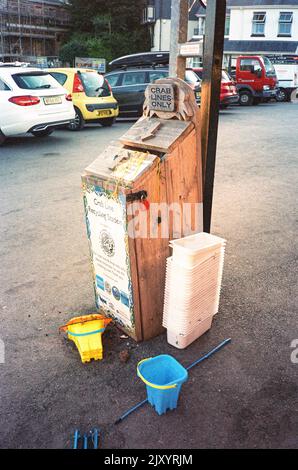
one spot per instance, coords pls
(193, 285)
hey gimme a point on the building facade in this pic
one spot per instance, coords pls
(157, 16)
(268, 27)
(32, 30)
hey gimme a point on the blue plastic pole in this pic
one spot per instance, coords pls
(129, 412)
(215, 350)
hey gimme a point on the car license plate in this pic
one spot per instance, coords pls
(52, 100)
(103, 113)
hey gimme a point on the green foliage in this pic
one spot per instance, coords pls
(76, 47)
(107, 29)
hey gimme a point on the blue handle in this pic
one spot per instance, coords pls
(80, 335)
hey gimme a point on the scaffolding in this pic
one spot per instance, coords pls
(32, 29)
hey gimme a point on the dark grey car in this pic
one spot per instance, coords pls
(129, 87)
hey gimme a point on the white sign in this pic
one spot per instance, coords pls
(91, 63)
(192, 49)
(161, 97)
(107, 232)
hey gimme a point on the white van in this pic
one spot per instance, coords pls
(286, 68)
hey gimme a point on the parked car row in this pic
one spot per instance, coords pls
(129, 85)
(37, 101)
(228, 91)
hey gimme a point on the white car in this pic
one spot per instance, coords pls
(31, 101)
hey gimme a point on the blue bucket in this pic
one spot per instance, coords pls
(163, 376)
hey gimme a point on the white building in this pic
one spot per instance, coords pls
(158, 16)
(252, 26)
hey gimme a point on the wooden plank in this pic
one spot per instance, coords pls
(150, 133)
(168, 136)
(184, 179)
(151, 257)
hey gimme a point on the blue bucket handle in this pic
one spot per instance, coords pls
(80, 335)
(157, 387)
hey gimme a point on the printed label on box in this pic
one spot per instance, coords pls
(108, 237)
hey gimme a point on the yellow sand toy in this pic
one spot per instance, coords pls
(86, 332)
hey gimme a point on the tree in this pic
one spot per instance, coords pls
(72, 49)
(106, 29)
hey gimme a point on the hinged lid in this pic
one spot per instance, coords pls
(157, 134)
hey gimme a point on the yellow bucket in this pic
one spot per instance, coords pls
(86, 333)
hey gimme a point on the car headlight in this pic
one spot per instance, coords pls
(266, 87)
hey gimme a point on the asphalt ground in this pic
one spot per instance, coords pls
(247, 395)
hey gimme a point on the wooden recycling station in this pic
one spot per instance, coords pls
(127, 192)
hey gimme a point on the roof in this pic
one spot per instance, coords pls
(15, 70)
(248, 3)
(253, 3)
(261, 47)
(163, 8)
(55, 2)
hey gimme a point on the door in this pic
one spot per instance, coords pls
(133, 86)
(251, 73)
(115, 80)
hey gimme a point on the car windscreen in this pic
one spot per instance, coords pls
(94, 84)
(3, 86)
(35, 81)
(191, 77)
(270, 70)
(60, 77)
(226, 77)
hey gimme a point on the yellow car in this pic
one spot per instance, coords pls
(92, 96)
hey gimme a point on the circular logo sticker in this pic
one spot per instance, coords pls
(107, 244)
(116, 293)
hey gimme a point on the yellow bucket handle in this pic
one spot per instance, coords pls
(158, 387)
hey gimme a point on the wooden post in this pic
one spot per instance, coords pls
(212, 72)
(179, 30)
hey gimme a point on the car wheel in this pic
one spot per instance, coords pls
(78, 123)
(108, 122)
(223, 106)
(44, 133)
(245, 98)
(2, 138)
(281, 95)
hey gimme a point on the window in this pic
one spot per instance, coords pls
(113, 79)
(200, 30)
(94, 84)
(134, 78)
(191, 77)
(60, 77)
(227, 26)
(258, 24)
(250, 65)
(156, 75)
(149, 15)
(35, 81)
(3, 86)
(285, 23)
